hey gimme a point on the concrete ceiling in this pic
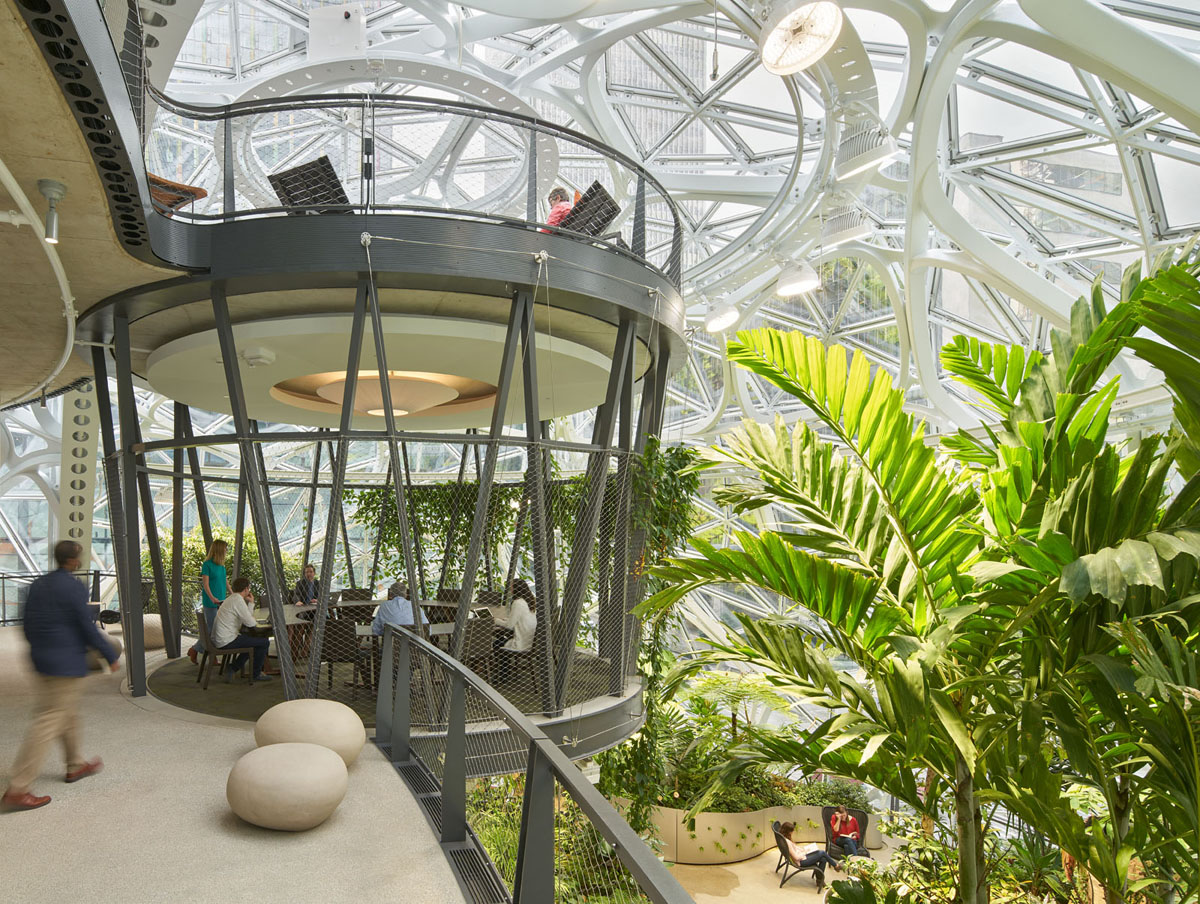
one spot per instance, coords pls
(39, 139)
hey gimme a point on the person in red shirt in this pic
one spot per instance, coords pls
(846, 834)
(560, 206)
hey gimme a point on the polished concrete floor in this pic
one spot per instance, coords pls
(154, 826)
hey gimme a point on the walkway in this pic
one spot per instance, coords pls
(155, 826)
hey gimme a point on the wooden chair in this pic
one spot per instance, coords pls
(787, 862)
(836, 851)
(214, 657)
(356, 594)
(341, 645)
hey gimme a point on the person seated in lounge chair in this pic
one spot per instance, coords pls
(846, 833)
(517, 626)
(806, 855)
(396, 610)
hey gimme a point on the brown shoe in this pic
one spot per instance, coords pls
(90, 767)
(192, 655)
(25, 801)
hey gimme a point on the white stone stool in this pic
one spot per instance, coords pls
(290, 787)
(325, 722)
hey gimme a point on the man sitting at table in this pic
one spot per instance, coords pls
(307, 588)
(236, 613)
(397, 610)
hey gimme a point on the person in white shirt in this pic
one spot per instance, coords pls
(520, 621)
(235, 613)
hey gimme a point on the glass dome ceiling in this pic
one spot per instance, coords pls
(1033, 158)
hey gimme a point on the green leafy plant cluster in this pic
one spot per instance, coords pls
(586, 869)
(662, 513)
(1020, 605)
(923, 868)
(195, 552)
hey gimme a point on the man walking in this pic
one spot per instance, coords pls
(59, 629)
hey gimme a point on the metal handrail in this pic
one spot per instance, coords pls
(534, 880)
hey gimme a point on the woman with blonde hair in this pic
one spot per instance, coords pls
(213, 589)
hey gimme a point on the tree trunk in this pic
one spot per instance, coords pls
(970, 836)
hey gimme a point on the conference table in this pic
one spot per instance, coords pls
(298, 620)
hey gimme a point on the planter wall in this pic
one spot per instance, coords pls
(730, 837)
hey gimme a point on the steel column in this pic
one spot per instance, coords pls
(401, 729)
(522, 299)
(588, 519)
(342, 519)
(135, 640)
(418, 548)
(337, 481)
(274, 530)
(533, 882)
(177, 540)
(116, 506)
(535, 482)
(184, 413)
(454, 768)
(639, 218)
(239, 534)
(170, 626)
(394, 463)
(256, 490)
(450, 528)
(312, 502)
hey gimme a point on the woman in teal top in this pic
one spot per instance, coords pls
(213, 589)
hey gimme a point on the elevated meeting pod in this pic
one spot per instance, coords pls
(504, 375)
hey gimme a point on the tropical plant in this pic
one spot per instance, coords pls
(970, 589)
(662, 512)
(195, 552)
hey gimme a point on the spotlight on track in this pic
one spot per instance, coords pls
(796, 279)
(53, 191)
(796, 34)
(721, 317)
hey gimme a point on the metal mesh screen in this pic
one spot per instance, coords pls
(547, 623)
(586, 867)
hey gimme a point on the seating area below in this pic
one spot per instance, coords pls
(163, 790)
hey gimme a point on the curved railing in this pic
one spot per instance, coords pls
(454, 739)
(369, 153)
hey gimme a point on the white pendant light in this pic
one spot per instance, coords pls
(797, 33)
(721, 317)
(796, 279)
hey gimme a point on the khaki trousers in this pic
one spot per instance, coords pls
(55, 716)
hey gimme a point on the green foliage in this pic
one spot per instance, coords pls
(923, 869)
(195, 552)
(978, 592)
(832, 792)
(586, 868)
(662, 511)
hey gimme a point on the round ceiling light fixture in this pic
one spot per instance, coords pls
(721, 317)
(796, 34)
(411, 392)
(796, 279)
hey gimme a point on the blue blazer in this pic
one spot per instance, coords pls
(60, 628)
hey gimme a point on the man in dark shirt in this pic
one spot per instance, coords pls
(59, 629)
